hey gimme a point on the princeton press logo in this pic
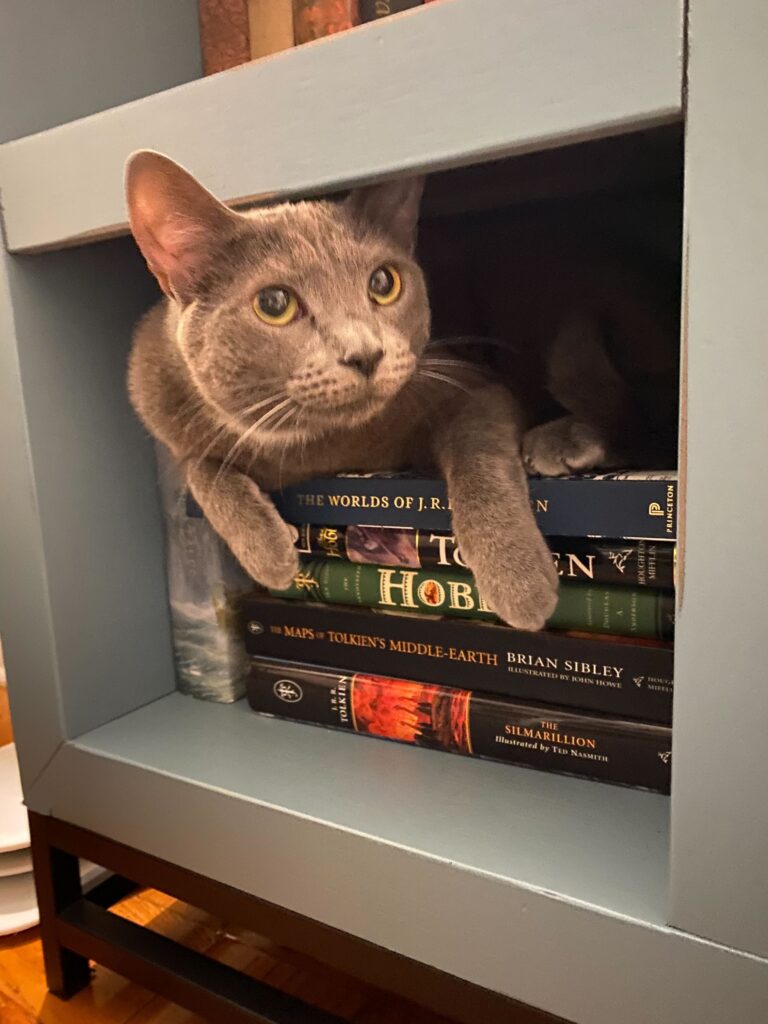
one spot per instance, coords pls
(288, 691)
(655, 509)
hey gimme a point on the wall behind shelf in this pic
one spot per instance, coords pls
(76, 69)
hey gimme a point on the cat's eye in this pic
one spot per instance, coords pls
(385, 285)
(276, 305)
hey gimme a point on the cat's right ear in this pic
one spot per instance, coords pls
(177, 224)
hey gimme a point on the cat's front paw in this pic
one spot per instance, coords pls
(518, 583)
(562, 447)
(272, 559)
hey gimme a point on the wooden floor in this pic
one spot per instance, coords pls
(111, 999)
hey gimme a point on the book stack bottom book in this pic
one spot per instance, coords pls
(464, 722)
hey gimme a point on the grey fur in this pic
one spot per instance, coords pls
(247, 407)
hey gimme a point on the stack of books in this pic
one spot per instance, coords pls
(384, 633)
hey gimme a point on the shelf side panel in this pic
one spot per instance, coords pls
(366, 861)
(451, 83)
(719, 882)
(85, 488)
(26, 628)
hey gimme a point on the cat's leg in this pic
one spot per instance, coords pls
(478, 450)
(245, 518)
(604, 428)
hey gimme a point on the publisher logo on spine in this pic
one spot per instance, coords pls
(288, 691)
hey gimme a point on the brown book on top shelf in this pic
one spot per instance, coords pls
(314, 19)
(233, 32)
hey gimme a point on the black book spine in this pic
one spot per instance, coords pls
(463, 722)
(637, 563)
(372, 10)
(563, 507)
(627, 678)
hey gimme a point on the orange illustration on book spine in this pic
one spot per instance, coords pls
(313, 19)
(411, 712)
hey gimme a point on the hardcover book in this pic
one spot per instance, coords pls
(372, 10)
(314, 19)
(233, 32)
(630, 678)
(635, 563)
(463, 722)
(623, 611)
(624, 505)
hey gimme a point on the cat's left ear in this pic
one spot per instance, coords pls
(392, 206)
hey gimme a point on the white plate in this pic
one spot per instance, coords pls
(14, 828)
(15, 862)
(18, 905)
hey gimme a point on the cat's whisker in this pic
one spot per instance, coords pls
(470, 339)
(439, 361)
(249, 433)
(295, 412)
(444, 379)
(260, 405)
(226, 428)
(257, 385)
(286, 416)
(192, 401)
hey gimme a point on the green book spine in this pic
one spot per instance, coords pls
(594, 609)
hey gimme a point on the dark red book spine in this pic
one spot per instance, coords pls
(464, 722)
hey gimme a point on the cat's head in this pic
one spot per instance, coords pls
(301, 317)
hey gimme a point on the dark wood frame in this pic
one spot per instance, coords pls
(77, 927)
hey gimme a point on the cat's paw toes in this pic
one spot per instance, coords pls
(278, 575)
(562, 447)
(525, 604)
(522, 591)
(273, 565)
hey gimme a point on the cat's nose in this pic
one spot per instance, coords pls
(364, 362)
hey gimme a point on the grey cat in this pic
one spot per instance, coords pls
(295, 340)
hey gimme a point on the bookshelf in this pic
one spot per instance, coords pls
(301, 121)
(591, 902)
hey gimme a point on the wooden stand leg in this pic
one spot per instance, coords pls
(57, 881)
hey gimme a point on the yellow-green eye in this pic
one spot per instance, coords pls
(385, 285)
(276, 305)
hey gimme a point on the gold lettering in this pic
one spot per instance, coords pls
(387, 585)
(461, 595)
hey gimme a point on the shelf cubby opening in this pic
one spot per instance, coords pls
(592, 844)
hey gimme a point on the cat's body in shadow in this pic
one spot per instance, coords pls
(295, 341)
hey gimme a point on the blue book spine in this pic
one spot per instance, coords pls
(607, 506)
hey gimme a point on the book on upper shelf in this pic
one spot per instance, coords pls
(613, 505)
(374, 10)
(622, 611)
(314, 19)
(233, 32)
(632, 678)
(628, 563)
(464, 722)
